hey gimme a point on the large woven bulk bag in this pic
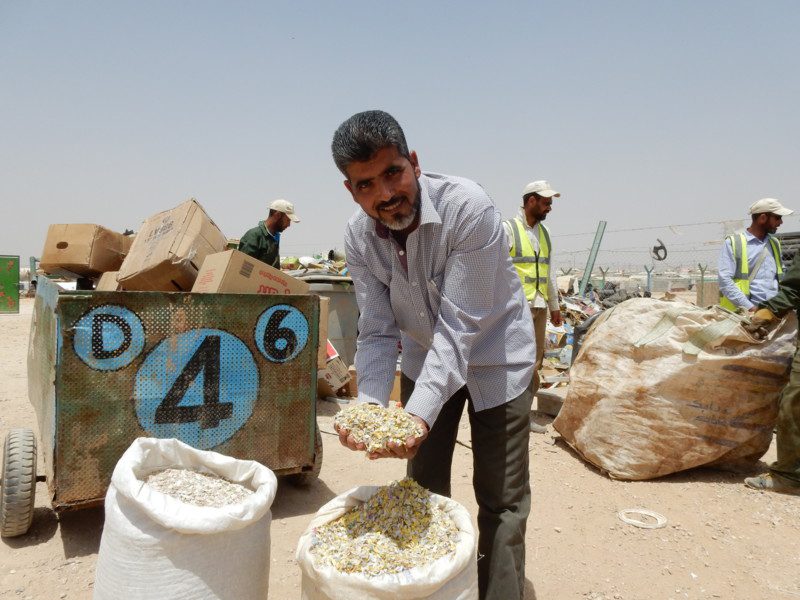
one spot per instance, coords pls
(453, 577)
(155, 546)
(660, 387)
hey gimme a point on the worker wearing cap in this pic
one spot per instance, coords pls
(263, 241)
(531, 252)
(784, 474)
(750, 261)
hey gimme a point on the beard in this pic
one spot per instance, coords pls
(400, 222)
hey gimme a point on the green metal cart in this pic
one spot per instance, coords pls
(233, 373)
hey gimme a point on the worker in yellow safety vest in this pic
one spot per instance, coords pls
(531, 252)
(750, 260)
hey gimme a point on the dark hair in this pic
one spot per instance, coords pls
(363, 134)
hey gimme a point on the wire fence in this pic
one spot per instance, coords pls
(678, 248)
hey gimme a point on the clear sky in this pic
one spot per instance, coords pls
(642, 113)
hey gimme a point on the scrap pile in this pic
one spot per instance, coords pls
(182, 250)
(396, 529)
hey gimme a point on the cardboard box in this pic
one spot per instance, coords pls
(394, 396)
(169, 248)
(351, 387)
(81, 250)
(235, 272)
(108, 282)
(322, 348)
(127, 242)
(332, 378)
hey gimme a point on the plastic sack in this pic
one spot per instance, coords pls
(453, 577)
(660, 387)
(155, 546)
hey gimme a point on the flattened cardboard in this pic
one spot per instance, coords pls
(81, 250)
(235, 272)
(168, 250)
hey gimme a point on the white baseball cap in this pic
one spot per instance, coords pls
(286, 208)
(541, 188)
(769, 205)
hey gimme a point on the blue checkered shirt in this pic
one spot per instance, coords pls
(452, 297)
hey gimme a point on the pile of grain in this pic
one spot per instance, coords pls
(398, 528)
(200, 489)
(376, 426)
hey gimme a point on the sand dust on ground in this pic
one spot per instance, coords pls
(721, 540)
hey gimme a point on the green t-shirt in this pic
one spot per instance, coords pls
(259, 243)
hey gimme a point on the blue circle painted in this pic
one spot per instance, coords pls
(281, 333)
(109, 337)
(199, 387)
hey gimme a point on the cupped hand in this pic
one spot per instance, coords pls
(407, 450)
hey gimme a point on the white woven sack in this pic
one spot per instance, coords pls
(155, 546)
(660, 387)
(453, 577)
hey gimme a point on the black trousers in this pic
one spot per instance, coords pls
(501, 479)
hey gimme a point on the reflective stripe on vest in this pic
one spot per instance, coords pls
(741, 270)
(533, 268)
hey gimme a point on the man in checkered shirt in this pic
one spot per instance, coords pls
(431, 268)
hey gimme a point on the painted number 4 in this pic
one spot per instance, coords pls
(209, 414)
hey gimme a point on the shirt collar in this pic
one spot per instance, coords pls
(274, 236)
(749, 236)
(524, 219)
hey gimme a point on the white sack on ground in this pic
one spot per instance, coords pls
(154, 546)
(453, 577)
(660, 387)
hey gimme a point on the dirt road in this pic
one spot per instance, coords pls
(722, 540)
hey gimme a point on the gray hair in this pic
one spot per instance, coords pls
(363, 134)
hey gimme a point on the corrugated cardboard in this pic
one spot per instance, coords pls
(127, 242)
(108, 282)
(324, 307)
(394, 396)
(351, 387)
(332, 378)
(235, 272)
(81, 250)
(169, 248)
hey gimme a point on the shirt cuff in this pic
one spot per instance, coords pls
(424, 404)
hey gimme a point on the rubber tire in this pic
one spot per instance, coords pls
(19, 483)
(306, 478)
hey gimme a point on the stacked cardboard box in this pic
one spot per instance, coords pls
(82, 250)
(234, 272)
(169, 249)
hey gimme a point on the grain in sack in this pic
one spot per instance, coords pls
(160, 541)
(396, 541)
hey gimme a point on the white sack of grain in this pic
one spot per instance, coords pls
(155, 546)
(453, 577)
(660, 387)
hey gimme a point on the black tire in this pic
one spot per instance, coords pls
(306, 478)
(19, 483)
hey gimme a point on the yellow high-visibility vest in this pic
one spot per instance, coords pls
(741, 274)
(533, 268)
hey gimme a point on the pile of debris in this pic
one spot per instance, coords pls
(183, 250)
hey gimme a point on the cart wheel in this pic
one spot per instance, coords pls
(308, 477)
(19, 483)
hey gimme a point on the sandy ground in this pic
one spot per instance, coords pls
(722, 540)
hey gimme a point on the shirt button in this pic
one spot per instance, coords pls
(401, 252)
(421, 314)
(414, 284)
